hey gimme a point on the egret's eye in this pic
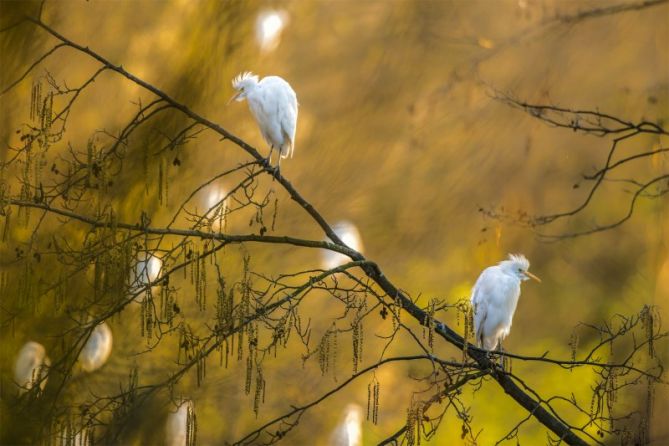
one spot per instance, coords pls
(520, 270)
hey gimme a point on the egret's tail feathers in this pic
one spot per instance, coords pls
(288, 146)
(287, 149)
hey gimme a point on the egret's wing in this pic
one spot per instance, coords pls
(261, 107)
(480, 312)
(288, 118)
(481, 303)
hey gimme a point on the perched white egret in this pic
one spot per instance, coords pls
(269, 25)
(273, 104)
(494, 299)
(179, 428)
(348, 234)
(349, 430)
(31, 366)
(97, 349)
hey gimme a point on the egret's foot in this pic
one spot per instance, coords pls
(491, 356)
(277, 172)
(501, 359)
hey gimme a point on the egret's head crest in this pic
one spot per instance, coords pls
(520, 260)
(244, 79)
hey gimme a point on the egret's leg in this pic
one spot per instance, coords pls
(501, 356)
(268, 161)
(488, 351)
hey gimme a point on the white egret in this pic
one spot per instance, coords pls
(97, 349)
(31, 366)
(349, 431)
(494, 299)
(348, 234)
(269, 25)
(273, 103)
(180, 425)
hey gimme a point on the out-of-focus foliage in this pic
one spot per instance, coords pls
(398, 133)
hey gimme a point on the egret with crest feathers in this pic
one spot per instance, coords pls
(494, 299)
(273, 104)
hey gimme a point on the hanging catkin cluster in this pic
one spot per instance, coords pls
(5, 211)
(191, 426)
(26, 295)
(650, 400)
(168, 304)
(573, 344)
(199, 279)
(252, 357)
(648, 318)
(324, 351)
(163, 181)
(244, 310)
(415, 415)
(224, 308)
(36, 101)
(201, 367)
(428, 324)
(147, 315)
(186, 344)
(610, 387)
(357, 344)
(225, 319)
(259, 395)
(642, 434)
(373, 401)
(466, 311)
(396, 310)
(68, 432)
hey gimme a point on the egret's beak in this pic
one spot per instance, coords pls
(532, 276)
(234, 97)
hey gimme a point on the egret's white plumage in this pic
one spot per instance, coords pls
(97, 349)
(269, 25)
(349, 234)
(147, 269)
(273, 103)
(494, 299)
(180, 425)
(216, 204)
(74, 435)
(349, 430)
(31, 366)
